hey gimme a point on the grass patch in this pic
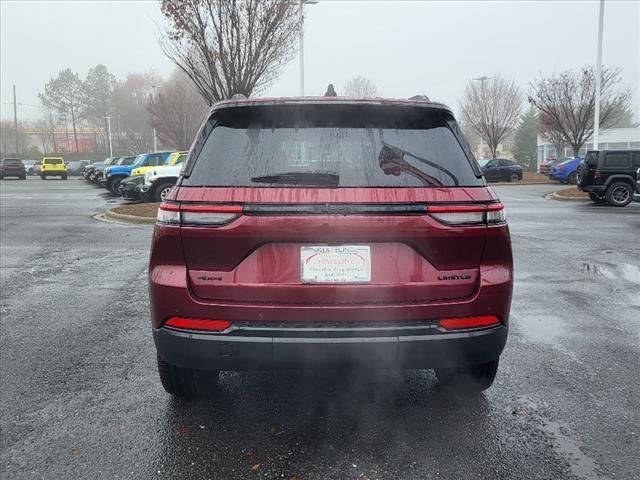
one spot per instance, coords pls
(149, 210)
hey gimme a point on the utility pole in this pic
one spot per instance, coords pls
(155, 137)
(109, 136)
(596, 116)
(15, 117)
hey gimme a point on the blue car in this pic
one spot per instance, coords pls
(567, 171)
(115, 175)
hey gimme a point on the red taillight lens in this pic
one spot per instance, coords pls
(597, 174)
(468, 322)
(198, 324)
(468, 214)
(204, 215)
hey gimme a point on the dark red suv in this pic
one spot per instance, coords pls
(327, 232)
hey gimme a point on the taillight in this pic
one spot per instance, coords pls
(204, 215)
(468, 214)
(468, 322)
(198, 324)
(597, 174)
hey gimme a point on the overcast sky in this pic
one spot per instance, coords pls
(406, 48)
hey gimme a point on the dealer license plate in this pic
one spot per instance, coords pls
(336, 264)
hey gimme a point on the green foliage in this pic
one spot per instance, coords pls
(63, 93)
(526, 140)
(97, 94)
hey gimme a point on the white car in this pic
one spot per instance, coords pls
(159, 182)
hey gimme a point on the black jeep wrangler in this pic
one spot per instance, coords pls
(609, 176)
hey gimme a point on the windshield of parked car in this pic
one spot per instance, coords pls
(364, 146)
(139, 160)
(483, 163)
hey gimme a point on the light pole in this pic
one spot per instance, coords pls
(596, 115)
(153, 98)
(109, 136)
(481, 80)
(302, 3)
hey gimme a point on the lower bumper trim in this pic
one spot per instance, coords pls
(223, 352)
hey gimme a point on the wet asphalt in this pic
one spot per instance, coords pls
(80, 397)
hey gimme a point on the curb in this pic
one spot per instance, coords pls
(135, 219)
(555, 196)
(514, 184)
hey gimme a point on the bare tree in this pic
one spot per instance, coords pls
(177, 110)
(550, 132)
(131, 126)
(492, 109)
(361, 87)
(230, 46)
(567, 102)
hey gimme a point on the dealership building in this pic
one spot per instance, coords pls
(611, 139)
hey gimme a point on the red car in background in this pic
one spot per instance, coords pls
(316, 232)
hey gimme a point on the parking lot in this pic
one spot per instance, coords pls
(80, 395)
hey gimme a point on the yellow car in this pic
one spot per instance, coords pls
(176, 158)
(53, 166)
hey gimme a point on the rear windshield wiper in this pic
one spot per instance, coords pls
(314, 178)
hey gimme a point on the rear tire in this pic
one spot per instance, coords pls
(24, 177)
(187, 382)
(470, 379)
(619, 194)
(162, 191)
(43, 177)
(514, 177)
(573, 179)
(64, 177)
(597, 198)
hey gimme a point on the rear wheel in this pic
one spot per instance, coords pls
(573, 178)
(619, 194)
(162, 191)
(64, 177)
(187, 382)
(514, 177)
(43, 177)
(597, 198)
(475, 378)
(23, 177)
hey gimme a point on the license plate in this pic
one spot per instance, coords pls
(336, 264)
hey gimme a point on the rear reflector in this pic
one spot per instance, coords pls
(468, 322)
(209, 215)
(468, 214)
(198, 324)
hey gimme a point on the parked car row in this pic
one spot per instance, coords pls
(148, 177)
(611, 176)
(48, 166)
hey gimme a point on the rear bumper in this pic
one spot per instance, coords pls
(56, 173)
(224, 352)
(594, 188)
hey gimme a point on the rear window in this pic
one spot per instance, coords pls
(332, 145)
(53, 161)
(12, 162)
(616, 160)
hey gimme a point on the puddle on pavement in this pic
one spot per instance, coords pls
(541, 330)
(631, 273)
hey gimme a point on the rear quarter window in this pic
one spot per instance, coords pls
(355, 146)
(616, 160)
